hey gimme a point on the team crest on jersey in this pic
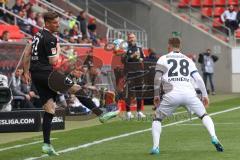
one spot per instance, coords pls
(54, 51)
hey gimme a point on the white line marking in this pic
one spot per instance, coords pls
(22, 145)
(199, 124)
(126, 135)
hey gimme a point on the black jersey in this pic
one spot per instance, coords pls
(131, 50)
(44, 45)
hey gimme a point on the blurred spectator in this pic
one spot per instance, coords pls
(238, 17)
(64, 23)
(31, 18)
(152, 56)
(65, 34)
(17, 91)
(23, 24)
(5, 36)
(83, 23)
(37, 8)
(72, 40)
(17, 7)
(40, 23)
(72, 20)
(2, 4)
(28, 8)
(75, 33)
(229, 17)
(32, 92)
(92, 26)
(207, 61)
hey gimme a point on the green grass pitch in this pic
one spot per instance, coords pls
(183, 141)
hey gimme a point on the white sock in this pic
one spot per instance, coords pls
(156, 131)
(208, 123)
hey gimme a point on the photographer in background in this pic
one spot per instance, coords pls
(207, 60)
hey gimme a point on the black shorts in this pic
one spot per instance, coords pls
(40, 80)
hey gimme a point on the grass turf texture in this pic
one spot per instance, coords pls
(178, 142)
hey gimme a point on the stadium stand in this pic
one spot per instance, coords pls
(14, 31)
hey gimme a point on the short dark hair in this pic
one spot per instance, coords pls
(174, 42)
(49, 16)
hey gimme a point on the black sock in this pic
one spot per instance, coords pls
(128, 104)
(87, 102)
(139, 105)
(46, 127)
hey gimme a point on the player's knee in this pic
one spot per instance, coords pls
(205, 114)
(50, 106)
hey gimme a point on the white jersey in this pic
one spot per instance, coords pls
(177, 70)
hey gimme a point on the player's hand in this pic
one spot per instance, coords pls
(134, 55)
(27, 97)
(32, 94)
(26, 77)
(156, 102)
(205, 101)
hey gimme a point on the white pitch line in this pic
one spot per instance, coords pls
(22, 145)
(199, 124)
(126, 135)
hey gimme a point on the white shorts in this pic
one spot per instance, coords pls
(171, 101)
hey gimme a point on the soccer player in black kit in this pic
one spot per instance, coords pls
(133, 59)
(40, 58)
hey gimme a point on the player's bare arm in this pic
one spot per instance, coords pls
(26, 63)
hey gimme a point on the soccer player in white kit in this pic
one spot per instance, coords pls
(172, 79)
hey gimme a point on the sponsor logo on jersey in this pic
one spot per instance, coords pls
(54, 51)
(179, 79)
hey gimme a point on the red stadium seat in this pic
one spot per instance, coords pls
(207, 3)
(233, 2)
(218, 11)
(183, 3)
(217, 22)
(16, 35)
(196, 3)
(13, 30)
(206, 11)
(219, 2)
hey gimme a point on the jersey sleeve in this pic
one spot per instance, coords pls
(160, 66)
(192, 67)
(50, 44)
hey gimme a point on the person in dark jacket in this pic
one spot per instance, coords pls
(83, 23)
(132, 68)
(207, 60)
